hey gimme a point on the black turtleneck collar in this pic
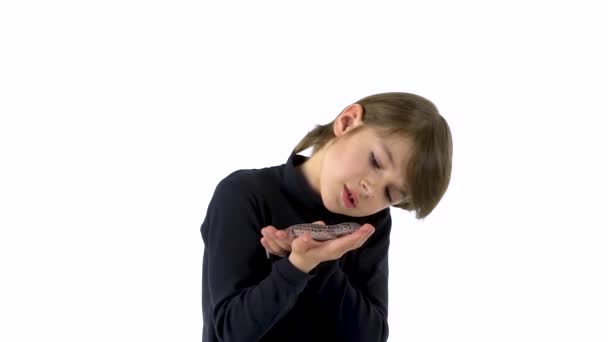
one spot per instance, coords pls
(297, 186)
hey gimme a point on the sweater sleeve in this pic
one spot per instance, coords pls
(359, 298)
(246, 300)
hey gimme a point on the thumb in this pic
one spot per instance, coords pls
(319, 222)
(303, 243)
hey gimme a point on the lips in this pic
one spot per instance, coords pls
(349, 198)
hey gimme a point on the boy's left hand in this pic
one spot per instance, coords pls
(277, 241)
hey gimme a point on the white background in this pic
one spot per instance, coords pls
(118, 118)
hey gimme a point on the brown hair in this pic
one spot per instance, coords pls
(412, 116)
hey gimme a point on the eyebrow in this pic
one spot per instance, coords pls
(392, 161)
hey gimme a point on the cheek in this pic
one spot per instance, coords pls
(345, 169)
(352, 158)
(343, 165)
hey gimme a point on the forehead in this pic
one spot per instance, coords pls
(400, 146)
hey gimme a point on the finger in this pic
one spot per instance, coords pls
(299, 245)
(268, 229)
(308, 239)
(319, 222)
(283, 242)
(272, 244)
(266, 246)
(272, 233)
(367, 233)
(368, 230)
(311, 243)
(281, 235)
(351, 241)
(277, 233)
(303, 243)
(277, 237)
(274, 249)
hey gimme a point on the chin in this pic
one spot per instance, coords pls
(333, 207)
(356, 214)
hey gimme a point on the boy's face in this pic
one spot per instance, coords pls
(363, 168)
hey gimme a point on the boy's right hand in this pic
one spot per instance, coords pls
(307, 253)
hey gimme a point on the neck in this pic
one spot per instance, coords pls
(311, 169)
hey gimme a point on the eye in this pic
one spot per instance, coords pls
(374, 161)
(376, 165)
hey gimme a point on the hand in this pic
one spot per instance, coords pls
(276, 241)
(307, 253)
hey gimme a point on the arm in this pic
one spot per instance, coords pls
(245, 300)
(359, 299)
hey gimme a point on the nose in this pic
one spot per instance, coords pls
(367, 188)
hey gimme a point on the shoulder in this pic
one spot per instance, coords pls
(236, 180)
(246, 187)
(248, 180)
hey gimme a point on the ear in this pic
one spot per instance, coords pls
(351, 117)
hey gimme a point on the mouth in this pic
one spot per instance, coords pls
(349, 198)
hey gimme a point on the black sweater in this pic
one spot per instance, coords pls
(247, 297)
